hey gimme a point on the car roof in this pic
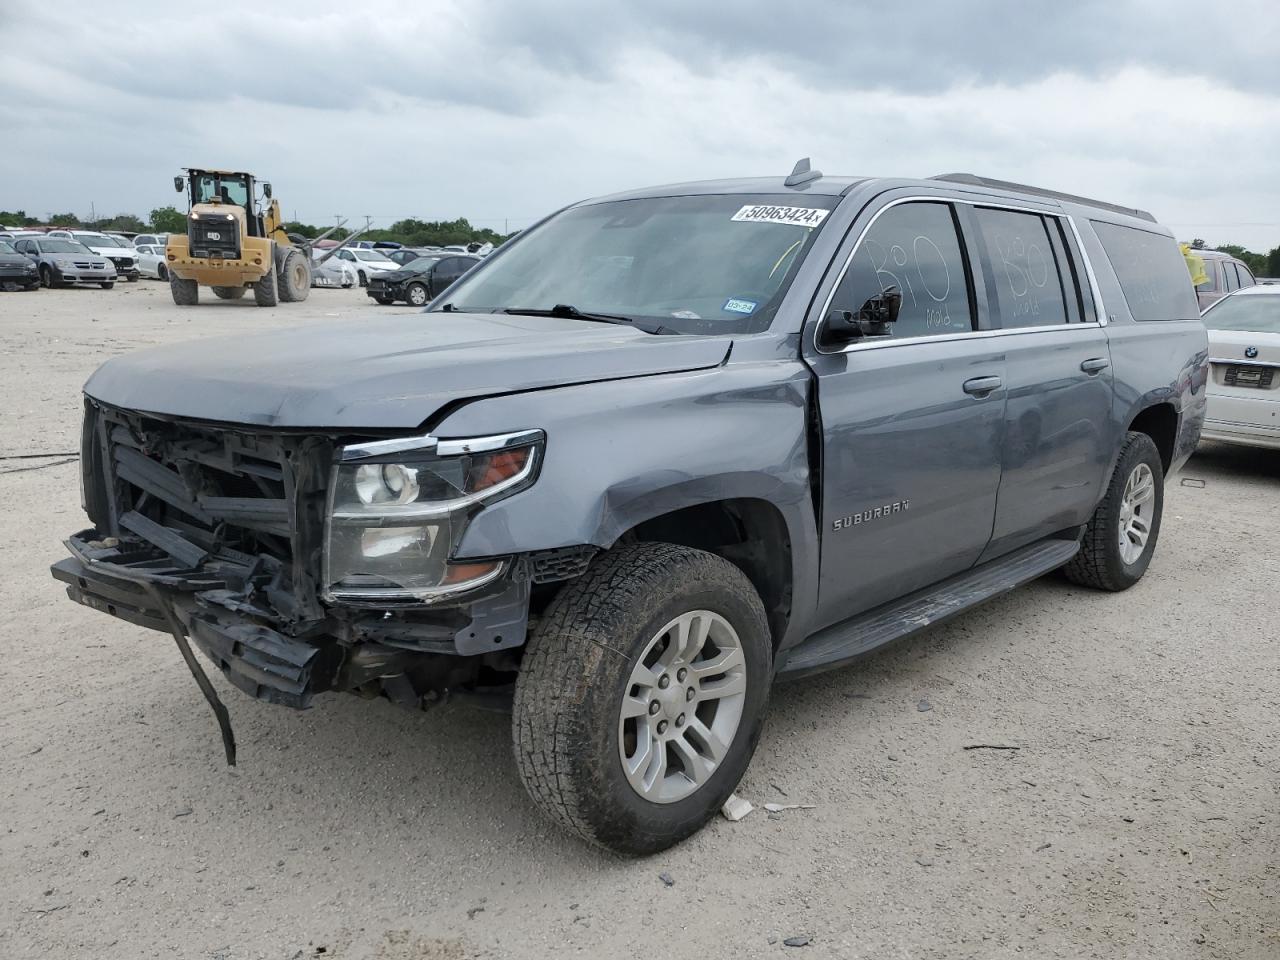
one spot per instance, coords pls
(1215, 255)
(1257, 290)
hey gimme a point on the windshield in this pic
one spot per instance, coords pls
(697, 264)
(62, 246)
(225, 187)
(98, 240)
(372, 256)
(1253, 313)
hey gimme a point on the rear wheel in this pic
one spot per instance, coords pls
(162, 272)
(132, 278)
(265, 291)
(385, 301)
(1121, 536)
(642, 696)
(295, 277)
(107, 286)
(416, 294)
(229, 293)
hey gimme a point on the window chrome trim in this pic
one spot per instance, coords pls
(993, 203)
(1099, 308)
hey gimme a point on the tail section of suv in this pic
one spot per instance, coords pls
(652, 454)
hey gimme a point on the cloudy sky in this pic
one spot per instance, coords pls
(500, 110)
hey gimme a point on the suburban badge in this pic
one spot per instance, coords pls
(875, 513)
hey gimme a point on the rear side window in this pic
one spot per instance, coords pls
(1026, 265)
(1152, 272)
(1246, 277)
(1211, 272)
(1233, 279)
(912, 249)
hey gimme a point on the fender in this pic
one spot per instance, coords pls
(621, 452)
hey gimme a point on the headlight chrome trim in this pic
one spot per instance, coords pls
(426, 443)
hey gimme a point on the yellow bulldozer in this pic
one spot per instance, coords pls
(235, 242)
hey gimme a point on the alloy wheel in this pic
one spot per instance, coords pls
(1136, 508)
(682, 706)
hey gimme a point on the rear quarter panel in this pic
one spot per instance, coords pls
(1153, 361)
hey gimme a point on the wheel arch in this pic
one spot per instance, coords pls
(1159, 421)
(749, 532)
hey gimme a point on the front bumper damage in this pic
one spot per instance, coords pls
(411, 658)
(214, 536)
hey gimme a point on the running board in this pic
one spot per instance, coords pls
(838, 644)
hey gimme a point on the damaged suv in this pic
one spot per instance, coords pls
(658, 451)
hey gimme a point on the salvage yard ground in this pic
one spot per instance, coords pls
(1138, 817)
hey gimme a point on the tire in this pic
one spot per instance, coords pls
(107, 286)
(46, 277)
(384, 301)
(162, 272)
(265, 291)
(229, 293)
(364, 281)
(416, 295)
(294, 281)
(186, 293)
(132, 278)
(567, 724)
(1103, 561)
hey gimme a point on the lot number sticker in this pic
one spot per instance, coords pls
(767, 213)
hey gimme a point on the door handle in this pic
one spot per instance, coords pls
(1094, 365)
(981, 386)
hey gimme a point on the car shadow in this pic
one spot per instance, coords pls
(1250, 463)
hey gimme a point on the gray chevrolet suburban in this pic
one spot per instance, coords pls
(657, 452)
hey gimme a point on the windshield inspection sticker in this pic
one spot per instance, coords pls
(739, 306)
(767, 213)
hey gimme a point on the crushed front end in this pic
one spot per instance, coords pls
(301, 563)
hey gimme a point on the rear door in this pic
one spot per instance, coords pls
(1058, 437)
(447, 271)
(912, 417)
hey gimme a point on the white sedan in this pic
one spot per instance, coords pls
(366, 262)
(151, 261)
(1244, 368)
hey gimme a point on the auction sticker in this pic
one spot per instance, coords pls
(768, 213)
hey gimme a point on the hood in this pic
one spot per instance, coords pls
(385, 372)
(115, 252)
(400, 273)
(14, 259)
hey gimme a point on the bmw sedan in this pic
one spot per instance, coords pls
(420, 281)
(1244, 358)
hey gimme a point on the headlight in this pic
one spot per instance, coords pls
(398, 508)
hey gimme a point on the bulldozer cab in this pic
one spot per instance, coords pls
(230, 188)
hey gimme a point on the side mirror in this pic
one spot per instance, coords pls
(177, 184)
(266, 190)
(871, 320)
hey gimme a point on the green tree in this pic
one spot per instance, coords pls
(17, 218)
(1256, 262)
(168, 220)
(64, 220)
(125, 222)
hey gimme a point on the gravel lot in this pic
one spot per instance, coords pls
(1137, 819)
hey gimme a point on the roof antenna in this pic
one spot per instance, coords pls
(802, 174)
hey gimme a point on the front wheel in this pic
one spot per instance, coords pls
(107, 286)
(132, 278)
(1121, 536)
(416, 294)
(642, 696)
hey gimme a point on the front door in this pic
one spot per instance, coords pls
(912, 417)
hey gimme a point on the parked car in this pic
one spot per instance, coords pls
(16, 269)
(366, 262)
(151, 261)
(333, 272)
(121, 253)
(681, 441)
(409, 254)
(61, 262)
(1244, 365)
(420, 280)
(151, 240)
(1225, 274)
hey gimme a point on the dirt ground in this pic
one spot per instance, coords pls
(1137, 819)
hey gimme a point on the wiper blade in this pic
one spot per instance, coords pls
(570, 311)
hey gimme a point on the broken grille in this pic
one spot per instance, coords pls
(252, 504)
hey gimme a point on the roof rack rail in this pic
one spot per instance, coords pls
(976, 181)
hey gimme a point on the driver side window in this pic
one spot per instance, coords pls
(911, 251)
